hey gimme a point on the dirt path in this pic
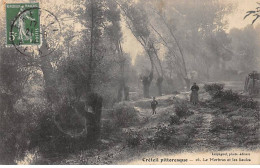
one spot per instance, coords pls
(201, 140)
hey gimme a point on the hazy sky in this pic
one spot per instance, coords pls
(235, 20)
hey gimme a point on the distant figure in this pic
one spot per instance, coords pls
(154, 103)
(252, 83)
(194, 96)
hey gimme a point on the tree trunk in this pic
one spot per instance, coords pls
(147, 80)
(126, 91)
(159, 85)
(187, 82)
(121, 88)
(48, 77)
(90, 63)
(95, 102)
(123, 92)
(146, 86)
(120, 92)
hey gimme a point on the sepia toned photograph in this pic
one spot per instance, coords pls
(129, 82)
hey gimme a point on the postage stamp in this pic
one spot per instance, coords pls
(22, 24)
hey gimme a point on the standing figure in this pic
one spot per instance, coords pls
(154, 103)
(194, 96)
(252, 83)
(20, 22)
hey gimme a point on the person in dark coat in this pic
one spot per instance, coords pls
(194, 96)
(154, 104)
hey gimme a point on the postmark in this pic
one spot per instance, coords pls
(31, 30)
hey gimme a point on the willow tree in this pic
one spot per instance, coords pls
(81, 68)
(185, 30)
(114, 33)
(78, 71)
(138, 23)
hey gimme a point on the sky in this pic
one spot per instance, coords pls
(236, 18)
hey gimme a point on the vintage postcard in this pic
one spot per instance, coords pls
(129, 82)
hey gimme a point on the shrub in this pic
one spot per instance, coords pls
(162, 136)
(174, 119)
(15, 129)
(52, 139)
(238, 122)
(214, 89)
(180, 141)
(247, 134)
(13, 139)
(181, 109)
(216, 92)
(220, 123)
(44, 132)
(229, 95)
(108, 127)
(187, 129)
(124, 115)
(245, 126)
(249, 103)
(133, 138)
(144, 103)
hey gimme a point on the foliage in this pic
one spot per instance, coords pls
(50, 141)
(248, 103)
(162, 136)
(186, 129)
(217, 91)
(246, 126)
(245, 41)
(238, 122)
(220, 123)
(108, 127)
(206, 40)
(213, 89)
(13, 126)
(124, 115)
(133, 138)
(174, 119)
(228, 95)
(91, 65)
(182, 110)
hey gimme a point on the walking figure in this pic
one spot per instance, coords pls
(194, 96)
(154, 103)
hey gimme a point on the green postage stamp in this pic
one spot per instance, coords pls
(22, 24)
